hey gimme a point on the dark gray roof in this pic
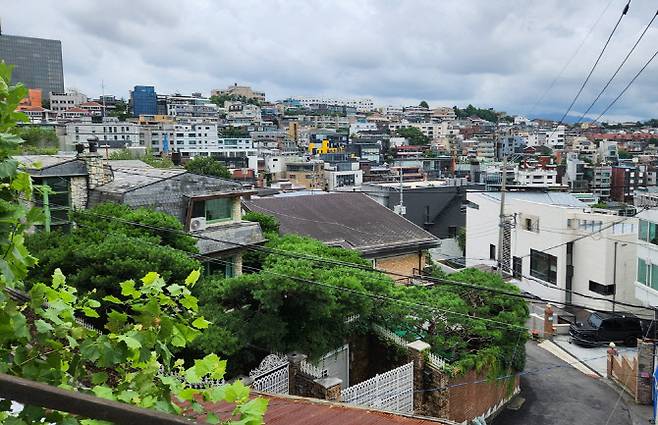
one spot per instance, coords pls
(346, 219)
(52, 165)
(127, 179)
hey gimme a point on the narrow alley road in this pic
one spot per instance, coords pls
(563, 396)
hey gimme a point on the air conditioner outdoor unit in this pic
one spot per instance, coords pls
(198, 223)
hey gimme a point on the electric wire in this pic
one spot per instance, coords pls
(607, 84)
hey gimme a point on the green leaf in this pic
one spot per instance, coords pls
(200, 323)
(236, 392)
(212, 418)
(112, 299)
(192, 278)
(103, 392)
(150, 278)
(131, 342)
(98, 378)
(43, 326)
(255, 407)
(128, 289)
(89, 312)
(175, 289)
(58, 278)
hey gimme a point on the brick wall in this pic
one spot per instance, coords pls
(403, 263)
(473, 400)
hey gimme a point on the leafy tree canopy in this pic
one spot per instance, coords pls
(424, 104)
(460, 336)
(231, 131)
(219, 100)
(470, 110)
(276, 311)
(414, 136)
(100, 252)
(207, 166)
(623, 154)
(268, 223)
(148, 158)
(43, 340)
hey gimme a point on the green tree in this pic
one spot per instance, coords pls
(414, 136)
(461, 239)
(43, 340)
(219, 100)
(268, 223)
(471, 328)
(231, 131)
(278, 310)
(100, 252)
(120, 110)
(207, 166)
(424, 104)
(624, 154)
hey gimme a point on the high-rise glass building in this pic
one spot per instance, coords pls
(144, 101)
(37, 62)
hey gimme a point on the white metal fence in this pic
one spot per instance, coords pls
(312, 370)
(271, 376)
(385, 333)
(393, 390)
(436, 361)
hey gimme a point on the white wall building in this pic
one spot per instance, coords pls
(536, 177)
(544, 255)
(339, 176)
(110, 131)
(646, 279)
(433, 130)
(361, 104)
(60, 102)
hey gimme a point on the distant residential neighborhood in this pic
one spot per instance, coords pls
(234, 257)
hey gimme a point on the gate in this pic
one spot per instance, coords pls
(393, 390)
(271, 376)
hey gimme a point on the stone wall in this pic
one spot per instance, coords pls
(99, 174)
(79, 192)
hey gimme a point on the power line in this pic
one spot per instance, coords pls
(591, 71)
(626, 88)
(358, 266)
(618, 69)
(573, 56)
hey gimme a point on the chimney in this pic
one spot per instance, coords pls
(98, 175)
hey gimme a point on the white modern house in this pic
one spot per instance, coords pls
(557, 248)
(646, 282)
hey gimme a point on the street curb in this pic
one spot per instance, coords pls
(577, 358)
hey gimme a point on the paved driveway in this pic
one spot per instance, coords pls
(563, 396)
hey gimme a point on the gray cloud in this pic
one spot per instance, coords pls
(502, 54)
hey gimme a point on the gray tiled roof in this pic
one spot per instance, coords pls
(345, 219)
(127, 179)
(243, 233)
(561, 199)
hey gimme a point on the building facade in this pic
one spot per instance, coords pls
(37, 62)
(143, 101)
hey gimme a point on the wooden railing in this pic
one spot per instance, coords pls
(88, 406)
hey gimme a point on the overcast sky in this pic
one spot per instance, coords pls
(501, 54)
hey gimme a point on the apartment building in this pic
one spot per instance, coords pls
(239, 91)
(646, 281)
(60, 102)
(536, 177)
(109, 130)
(360, 104)
(547, 248)
(342, 175)
(433, 130)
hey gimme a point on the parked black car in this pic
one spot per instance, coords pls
(603, 328)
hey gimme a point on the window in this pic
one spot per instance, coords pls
(492, 251)
(517, 267)
(221, 267)
(543, 266)
(648, 232)
(641, 271)
(452, 230)
(214, 210)
(59, 199)
(601, 289)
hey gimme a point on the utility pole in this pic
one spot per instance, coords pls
(400, 209)
(614, 277)
(501, 224)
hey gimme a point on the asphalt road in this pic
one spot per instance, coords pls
(563, 396)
